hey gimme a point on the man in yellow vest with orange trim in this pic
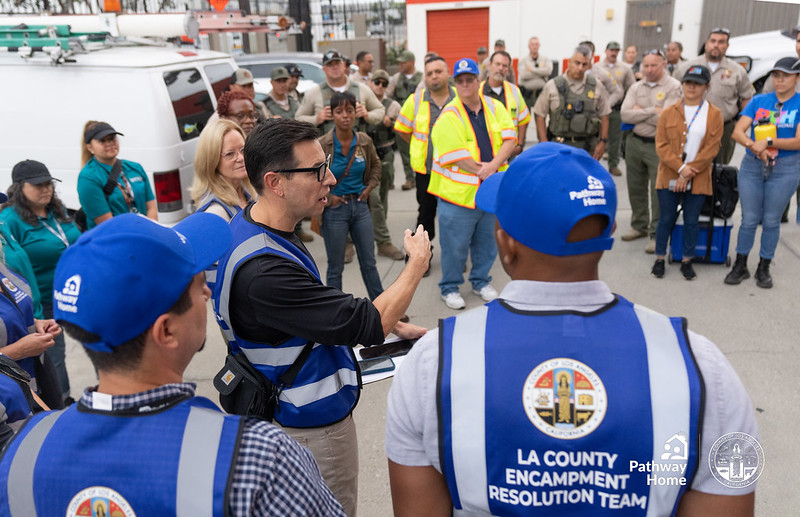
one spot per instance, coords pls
(472, 139)
(414, 125)
(496, 87)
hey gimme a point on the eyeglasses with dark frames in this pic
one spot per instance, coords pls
(321, 169)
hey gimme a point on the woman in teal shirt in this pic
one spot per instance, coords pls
(132, 192)
(36, 218)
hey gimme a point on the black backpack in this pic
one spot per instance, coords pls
(722, 202)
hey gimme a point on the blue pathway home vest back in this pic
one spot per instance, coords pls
(328, 385)
(171, 461)
(567, 413)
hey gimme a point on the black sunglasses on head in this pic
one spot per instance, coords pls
(721, 30)
(654, 52)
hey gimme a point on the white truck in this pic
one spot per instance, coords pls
(159, 97)
(758, 52)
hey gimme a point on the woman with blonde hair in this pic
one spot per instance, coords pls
(131, 192)
(220, 183)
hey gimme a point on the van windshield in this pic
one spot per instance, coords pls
(191, 101)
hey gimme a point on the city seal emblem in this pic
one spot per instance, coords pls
(99, 501)
(564, 398)
(736, 460)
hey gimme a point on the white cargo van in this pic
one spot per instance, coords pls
(159, 97)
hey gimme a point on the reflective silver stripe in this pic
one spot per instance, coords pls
(244, 249)
(469, 179)
(330, 385)
(404, 120)
(420, 136)
(508, 133)
(669, 394)
(197, 465)
(454, 156)
(20, 474)
(3, 333)
(418, 101)
(489, 104)
(272, 356)
(468, 429)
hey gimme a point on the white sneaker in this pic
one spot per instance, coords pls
(487, 292)
(454, 301)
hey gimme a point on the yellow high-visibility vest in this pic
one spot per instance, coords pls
(415, 118)
(454, 139)
(515, 104)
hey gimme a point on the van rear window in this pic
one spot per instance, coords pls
(220, 77)
(191, 101)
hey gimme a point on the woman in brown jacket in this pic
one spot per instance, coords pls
(357, 168)
(687, 140)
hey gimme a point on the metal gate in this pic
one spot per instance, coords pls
(648, 24)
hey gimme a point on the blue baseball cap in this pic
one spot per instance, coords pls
(545, 192)
(466, 66)
(119, 277)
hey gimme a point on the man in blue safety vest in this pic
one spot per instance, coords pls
(134, 294)
(561, 396)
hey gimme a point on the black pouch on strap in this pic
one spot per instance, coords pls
(243, 390)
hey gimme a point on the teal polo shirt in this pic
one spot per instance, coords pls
(17, 261)
(353, 183)
(41, 245)
(93, 178)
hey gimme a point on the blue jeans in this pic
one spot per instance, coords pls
(57, 353)
(668, 202)
(764, 196)
(337, 222)
(462, 232)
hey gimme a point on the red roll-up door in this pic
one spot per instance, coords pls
(458, 33)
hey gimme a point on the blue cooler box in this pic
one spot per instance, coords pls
(720, 240)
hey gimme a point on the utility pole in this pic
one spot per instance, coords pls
(299, 10)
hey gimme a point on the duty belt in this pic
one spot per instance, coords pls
(645, 139)
(563, 139)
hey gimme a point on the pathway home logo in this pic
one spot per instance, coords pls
(671, 467)
(736, 460)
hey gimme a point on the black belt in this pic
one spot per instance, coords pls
(645, 139)
(350, 196)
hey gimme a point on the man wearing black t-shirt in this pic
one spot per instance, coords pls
(274, 308)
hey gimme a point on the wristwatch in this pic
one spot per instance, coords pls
(769, 141)
(604, 140)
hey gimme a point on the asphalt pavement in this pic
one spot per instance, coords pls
(757, 329)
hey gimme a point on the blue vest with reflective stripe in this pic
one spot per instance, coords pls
(568, 413)
(327, 387)
(207, 200)
(175, 461)
(16, 317)
(12, 398)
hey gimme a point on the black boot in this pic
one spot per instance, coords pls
(739, 271)
(763, 278)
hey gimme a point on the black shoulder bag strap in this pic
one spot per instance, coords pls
(111, 184)
(287, 379)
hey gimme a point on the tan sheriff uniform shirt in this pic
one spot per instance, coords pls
(548, 100)
(534, 73)
(729, 84)
(664, 92)
(313, 104)
(620, 74)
